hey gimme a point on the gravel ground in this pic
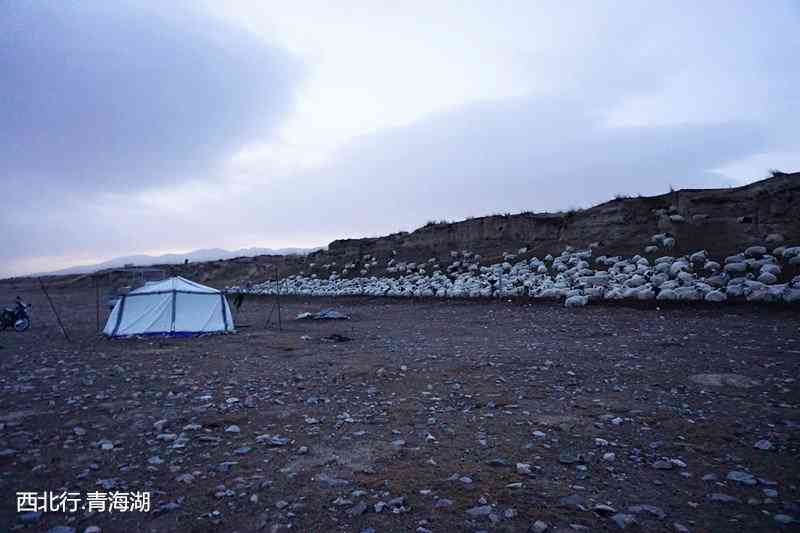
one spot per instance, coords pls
(435, 416)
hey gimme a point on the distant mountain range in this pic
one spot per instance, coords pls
(197, 256)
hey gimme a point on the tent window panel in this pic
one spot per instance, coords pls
(153, 314)
(198, 312)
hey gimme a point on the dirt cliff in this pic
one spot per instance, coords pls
(723, 221)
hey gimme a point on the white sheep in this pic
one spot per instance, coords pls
(736, 268)
(753, 274)
(666, 295)
(576, 300)
(755, 251)
(716, 296)
(698, 257)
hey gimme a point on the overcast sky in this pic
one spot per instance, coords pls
(150, 127)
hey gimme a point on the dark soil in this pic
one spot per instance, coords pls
(424, 393)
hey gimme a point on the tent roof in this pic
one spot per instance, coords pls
(175, 284)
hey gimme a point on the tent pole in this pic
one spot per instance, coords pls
(53, 307)
(269, 316)
(97, 301)
(278, 284)
(271, 310)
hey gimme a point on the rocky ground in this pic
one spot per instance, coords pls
(434, 416)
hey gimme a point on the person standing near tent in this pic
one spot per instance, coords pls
(238, 300)
(19, 305)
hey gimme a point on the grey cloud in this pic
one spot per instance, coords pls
(511, 156)
(532, 153)
(110, 95)
(119, 97)
(528, 154)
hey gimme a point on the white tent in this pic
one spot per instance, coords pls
(175, 306)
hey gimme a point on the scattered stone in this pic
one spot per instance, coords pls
(330, 481)
(662, 465)
(723, 498)
(784, 519)
(397, 502)
(623, 520)
(358, 509)
(650, 509)
(233, 429)
(763, 444)
(539, 527)
(568, 458)
(573, 501)
(603, 509)
(523, 469)
(226, 466)
(744, 478)
(169, 507)
(481, 510)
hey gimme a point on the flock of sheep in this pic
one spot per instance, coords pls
(576, 276)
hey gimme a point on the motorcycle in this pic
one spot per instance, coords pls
(19, 318)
